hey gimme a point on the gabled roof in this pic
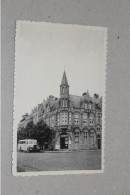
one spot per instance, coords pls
(53, 104)
(64, 80)
(75, 100)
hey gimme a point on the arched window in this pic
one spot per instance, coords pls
(85, 136)
(63, 90)
(85, 119)
(76, 136)
(64, 102)
(91, 120)
(76, 118)
(92, 137)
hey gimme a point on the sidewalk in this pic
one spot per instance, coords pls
(67, 151)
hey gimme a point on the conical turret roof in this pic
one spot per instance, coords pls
(64, 80)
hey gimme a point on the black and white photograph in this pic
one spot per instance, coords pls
(59, 99)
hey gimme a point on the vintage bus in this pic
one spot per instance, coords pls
(29, 145)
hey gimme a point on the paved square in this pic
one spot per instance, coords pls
(58, 161)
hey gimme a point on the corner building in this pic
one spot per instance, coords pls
(75, 119)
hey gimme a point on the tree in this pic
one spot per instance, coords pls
(41, 132)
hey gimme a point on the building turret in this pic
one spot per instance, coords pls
(64, 91)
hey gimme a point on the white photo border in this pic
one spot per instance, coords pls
(67, 172)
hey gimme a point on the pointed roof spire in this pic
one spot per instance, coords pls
(64, 79)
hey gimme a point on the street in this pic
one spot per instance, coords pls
(58, 161)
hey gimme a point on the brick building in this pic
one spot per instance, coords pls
(77, 120)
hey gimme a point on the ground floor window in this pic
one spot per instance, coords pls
(92, 134)
(76, 136)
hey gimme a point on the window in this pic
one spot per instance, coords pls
(76, 118)
(63, 90)
(64, 118)
(70, 118)
(85, 136)
(76, 136)
(98, 118)
(98, 129)
(92, 137)
(91, 120)
(64, 102)
(66, 91)
(85, 119)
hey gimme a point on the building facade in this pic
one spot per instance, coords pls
(76, 120)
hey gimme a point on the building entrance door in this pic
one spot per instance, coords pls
(99, 142)
(64, 141)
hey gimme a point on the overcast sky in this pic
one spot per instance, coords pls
(42, 52)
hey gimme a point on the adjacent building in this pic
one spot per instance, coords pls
(76, 120)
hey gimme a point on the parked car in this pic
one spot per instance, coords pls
(29, 145)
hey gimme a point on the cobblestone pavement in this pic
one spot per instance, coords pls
(78, 160)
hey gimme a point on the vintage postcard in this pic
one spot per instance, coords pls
(59, 99)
